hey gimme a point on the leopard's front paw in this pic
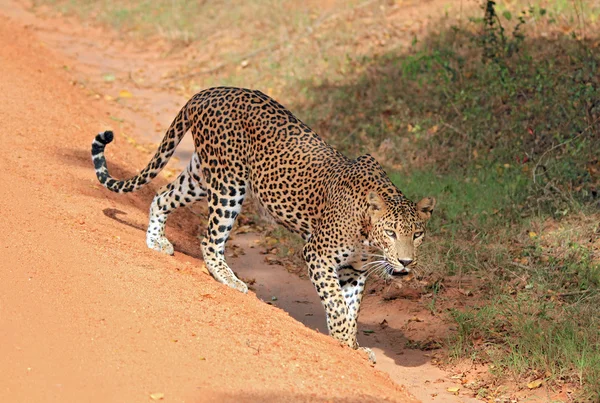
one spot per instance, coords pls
(238, 285)
(161, 245)
(370, 354)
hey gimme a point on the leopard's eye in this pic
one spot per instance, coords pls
(418, 234)
(390, 233)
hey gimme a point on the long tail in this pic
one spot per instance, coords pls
(167, 146)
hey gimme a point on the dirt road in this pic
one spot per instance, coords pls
(87, 313)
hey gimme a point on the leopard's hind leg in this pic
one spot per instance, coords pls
(187, 188)
(224, 205)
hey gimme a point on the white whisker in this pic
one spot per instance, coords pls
(380, 266)
(371, 265)
(384, 267)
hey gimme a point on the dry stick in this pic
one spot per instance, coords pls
(572, 293)
(522, 266)
(309, 31)
(455, 129)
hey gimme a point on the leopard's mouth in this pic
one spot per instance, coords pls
(389, 268)
(395, 272)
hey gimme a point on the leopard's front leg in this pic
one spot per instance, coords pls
(323, 274)
(352, 283)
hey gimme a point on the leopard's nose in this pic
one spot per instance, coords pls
(405, 262)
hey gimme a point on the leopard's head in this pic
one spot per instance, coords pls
(397, 228)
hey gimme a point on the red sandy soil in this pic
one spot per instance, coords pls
(88, 313)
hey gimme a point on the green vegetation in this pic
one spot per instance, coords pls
(497, 116)
(503, 127)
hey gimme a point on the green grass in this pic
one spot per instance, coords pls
(469, 200)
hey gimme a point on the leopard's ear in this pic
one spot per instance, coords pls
(425, 207)
(376, 205)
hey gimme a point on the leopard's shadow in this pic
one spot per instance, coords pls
(112, 214)
(180, 247)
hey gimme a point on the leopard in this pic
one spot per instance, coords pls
(352, 219)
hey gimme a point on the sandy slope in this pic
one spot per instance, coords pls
(87, 313)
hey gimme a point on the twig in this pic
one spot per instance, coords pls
(519, 265)
(549, 150)
(455, 129)
(560, 145)
(568, 294)
(257, 349)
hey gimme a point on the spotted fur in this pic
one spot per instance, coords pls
(353, 219)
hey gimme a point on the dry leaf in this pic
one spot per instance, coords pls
(125, 94)
(453, 389)
(157, 396)
(273, 260)
(269, 240)
(535, 384)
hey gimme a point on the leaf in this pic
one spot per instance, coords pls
(453, 389)
(269, 240)
(532, 234)
(433, 129)
(125, 94)
(535, 384)
(367, 331)
(157, 396)
(507, 15)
